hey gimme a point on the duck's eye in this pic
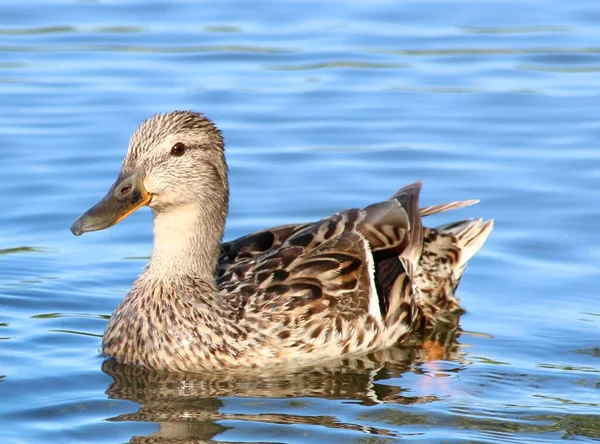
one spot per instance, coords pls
(178, 149)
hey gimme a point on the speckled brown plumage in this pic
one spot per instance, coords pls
(354, 282)
(189, 407)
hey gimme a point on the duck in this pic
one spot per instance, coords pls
(354, 282)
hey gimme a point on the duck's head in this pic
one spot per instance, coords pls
(174, 160)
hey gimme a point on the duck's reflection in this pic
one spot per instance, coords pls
(188, 407)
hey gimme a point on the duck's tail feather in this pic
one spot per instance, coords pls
(470, 236)
(446, 251)
(428, 211)
(416, 265)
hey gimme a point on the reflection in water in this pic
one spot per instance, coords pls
(188, 407)
(18, 250)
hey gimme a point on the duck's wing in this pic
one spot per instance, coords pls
(252, 245)
(327, 277)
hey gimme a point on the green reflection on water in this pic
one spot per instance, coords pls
(70, 29)
(573, 425)
(221, 29)
(69, 315)
(572, 368)
(592, 351)
(488, 360)
(75, 332)
(568, 425)
(41, 30)
(566, 401)
(24, 249)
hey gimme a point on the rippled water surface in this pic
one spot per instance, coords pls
(324, 106)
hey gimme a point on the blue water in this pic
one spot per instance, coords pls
(324, 106)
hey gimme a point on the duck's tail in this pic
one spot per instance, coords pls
(469, 236)
(446, 251)
(416, 265)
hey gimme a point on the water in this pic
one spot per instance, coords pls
(324, 106)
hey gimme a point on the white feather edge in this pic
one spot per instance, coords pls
(374, 307)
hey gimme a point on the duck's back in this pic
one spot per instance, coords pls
(347, 283)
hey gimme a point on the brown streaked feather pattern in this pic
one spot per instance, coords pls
(311, 292)
(357, 281)
(446, 249)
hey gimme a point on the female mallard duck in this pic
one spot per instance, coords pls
(353, 282)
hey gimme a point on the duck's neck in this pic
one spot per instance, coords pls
(187, 242)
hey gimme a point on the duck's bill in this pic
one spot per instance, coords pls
(124, 197)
